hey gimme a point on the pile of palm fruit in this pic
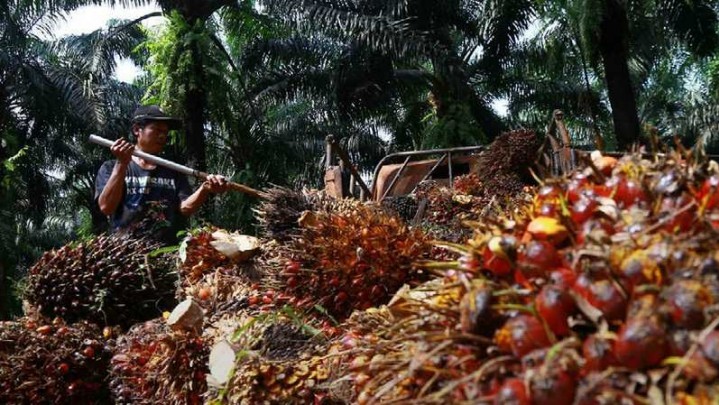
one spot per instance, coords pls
(506, 168)
(593, 288)
(50, 362)
(603, 289)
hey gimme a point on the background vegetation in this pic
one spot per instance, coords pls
(260, 84)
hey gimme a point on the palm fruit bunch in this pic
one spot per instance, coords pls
(52, 363)
(278, 361)
(153, 364)
(602, 289)
(413, 349)
(506, 164)
(216, 281)
(449, 211)
(468, 184)
(199, 257)
(404, 206)
(351, 259)
(278, 214)
(113, 279)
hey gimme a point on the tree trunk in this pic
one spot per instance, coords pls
(194, 110)
(614, 34)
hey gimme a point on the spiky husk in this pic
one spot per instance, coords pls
(52, 363)
(153, 364)
(349, 260)
(111, 280)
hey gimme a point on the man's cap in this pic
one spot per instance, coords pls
(149, 113)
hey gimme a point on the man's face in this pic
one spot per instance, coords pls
(152, 137)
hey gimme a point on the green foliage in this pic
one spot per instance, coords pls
(456, 128)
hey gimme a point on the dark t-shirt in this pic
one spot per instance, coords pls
(145, 188)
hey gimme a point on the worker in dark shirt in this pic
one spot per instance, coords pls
(128, 186)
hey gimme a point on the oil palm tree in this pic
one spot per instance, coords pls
(52, 94)
(448, 52)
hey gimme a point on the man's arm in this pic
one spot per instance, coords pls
(213, 184)
(111, 195)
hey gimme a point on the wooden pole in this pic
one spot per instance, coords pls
(180, 168)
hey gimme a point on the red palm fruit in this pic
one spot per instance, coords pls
(548, 192)
(677, 221)
(629, 192)
(377, 292)
(340, 297)
(512, 392)
(710, 347)
(475, 310)
(497, 265)
(641, 343)
(292, 267)
(598, 352)
(709, 193)
(578, 185)
(583, 209)
(555, 306)
(606, 297)
(680, 341)
(563, 277)
(553, 387)
(538, 257)
(523, 334)
(63, 368)
(686, 300)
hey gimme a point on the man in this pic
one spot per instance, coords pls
(126, 188)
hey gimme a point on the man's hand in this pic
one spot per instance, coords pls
(122, 150)
(215, 184)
